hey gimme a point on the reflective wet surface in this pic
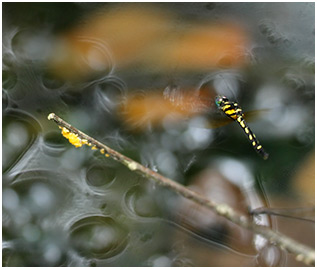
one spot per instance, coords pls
(142, 78)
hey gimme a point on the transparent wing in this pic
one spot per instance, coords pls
(216, 120)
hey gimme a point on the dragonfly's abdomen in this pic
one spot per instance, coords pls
(251, 136)
(233, 111)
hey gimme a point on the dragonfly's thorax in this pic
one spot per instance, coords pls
(234, 111)
(231, 109)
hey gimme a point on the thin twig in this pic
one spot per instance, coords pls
(286, 212)
(78, 138)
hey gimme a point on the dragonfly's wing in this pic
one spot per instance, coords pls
(218, 120)
(255, 114)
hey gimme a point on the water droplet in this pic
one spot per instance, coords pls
(42, 197)
(10, 199)
(31, 232)
(52, 82)
(109, 93)
(160, 261)
(98, 176)
(98, 237)
(19, 133)
(54, 143)
(52, 254)
(40, 192)
(271, 256)
(140, 203)
(31, 45)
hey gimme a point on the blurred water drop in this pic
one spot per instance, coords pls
(144, 206)
(41, 194)
(10, 199)
(98, 237)
(98, 176)
(51, 82)
(32, 45)
(140, 203)
(16, 134)
(73, 158)
(98, 56)
(237, 172)
(161, 261)
(109, 93)
(271, 256)
(19, 132)
(93, 59)
(197, 138)
(166, 162)
(71, 98)
(52, 254)
(22, 216)
(290, 119)
(54, 143)
(42, 197)
(31, 232)
(167, 141)
(80, 56)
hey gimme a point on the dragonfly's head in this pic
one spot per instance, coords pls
(220, 100)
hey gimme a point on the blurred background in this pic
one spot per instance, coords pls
(142, 78)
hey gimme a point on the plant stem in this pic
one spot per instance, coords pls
(302, 252)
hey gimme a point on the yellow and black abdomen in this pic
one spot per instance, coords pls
(251, 136)
(234, 111)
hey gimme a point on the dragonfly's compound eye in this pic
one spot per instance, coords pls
(219, 100)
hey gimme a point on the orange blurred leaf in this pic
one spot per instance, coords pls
(152, 107)
(124, 36)
(304, 180)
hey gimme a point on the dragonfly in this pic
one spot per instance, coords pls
(234, 112)
(150, 108)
